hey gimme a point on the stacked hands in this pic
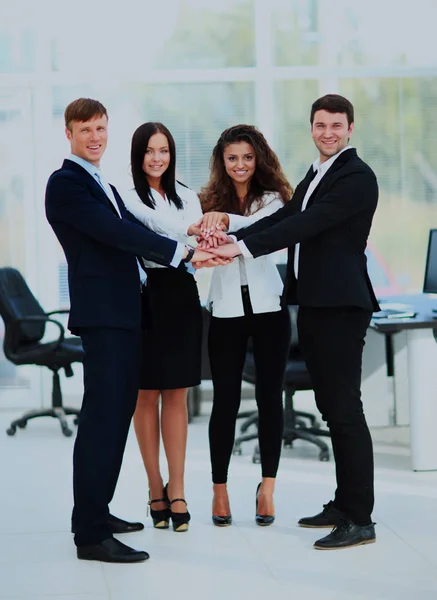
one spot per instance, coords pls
(214, 247)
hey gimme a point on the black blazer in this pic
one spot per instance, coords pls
(332, 232)
(100, 249)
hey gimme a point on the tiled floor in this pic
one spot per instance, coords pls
(37, 556)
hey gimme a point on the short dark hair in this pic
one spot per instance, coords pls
(140, 141)
(83, 109)
(333, 103)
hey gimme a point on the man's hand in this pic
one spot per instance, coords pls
(201, 259)
(217, 238)
(194, 229)
(226, 251)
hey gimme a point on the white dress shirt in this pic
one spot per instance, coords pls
(166, 219)
(260, 274)
(321, 168)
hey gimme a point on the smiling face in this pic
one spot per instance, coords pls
(240, 162)
(88, 139)
(157, 157)
(330, 132)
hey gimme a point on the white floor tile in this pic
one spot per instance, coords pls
(37, 555)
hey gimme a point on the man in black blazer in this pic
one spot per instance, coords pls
(325, 226)
(102, 241)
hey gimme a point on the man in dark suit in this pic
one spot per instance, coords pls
(325, 226)
(102, 241)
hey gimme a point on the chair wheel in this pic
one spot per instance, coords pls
(11, 430)
(256, 459)
(76, 420)
(22, 424)
(288, 443)
(67, 431)
(324, 455)
(237, 451)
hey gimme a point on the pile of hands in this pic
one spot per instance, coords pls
(214, 246)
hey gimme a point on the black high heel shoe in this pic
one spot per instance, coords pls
(222, 521)
(180, 520)
(161, 517)
(262, 520)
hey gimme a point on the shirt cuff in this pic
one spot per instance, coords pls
(233, 238)
(244, 250)
(178, 255)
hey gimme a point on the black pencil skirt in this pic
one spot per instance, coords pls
(172, 330)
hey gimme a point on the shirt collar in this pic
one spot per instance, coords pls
(322, 167)
(89, 167)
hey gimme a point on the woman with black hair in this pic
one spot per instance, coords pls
(172, 332)
(246, 184)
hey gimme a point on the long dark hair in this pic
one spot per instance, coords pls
(140, 141)
(220, 193)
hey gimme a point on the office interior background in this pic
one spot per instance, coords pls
(200, 66)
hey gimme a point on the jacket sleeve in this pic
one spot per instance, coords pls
(267, 221)
(351, 194)
(69, 200)
(267, 208)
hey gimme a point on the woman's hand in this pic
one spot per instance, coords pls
(213, 221)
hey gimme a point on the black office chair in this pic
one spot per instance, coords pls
(295, 422)
(25, 323)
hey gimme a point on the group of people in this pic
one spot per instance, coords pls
(135, 305)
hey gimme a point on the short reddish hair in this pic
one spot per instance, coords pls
(83, 109)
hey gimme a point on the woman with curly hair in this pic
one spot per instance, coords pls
(246, 184)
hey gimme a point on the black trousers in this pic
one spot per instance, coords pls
(332, 342)
(227, 346)
(111, 376)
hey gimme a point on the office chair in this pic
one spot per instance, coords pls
(25, 323)
(295, 422)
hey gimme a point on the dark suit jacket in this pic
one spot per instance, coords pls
(332, 232)
(100, 249)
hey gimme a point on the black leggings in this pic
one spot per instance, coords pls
(227, 345)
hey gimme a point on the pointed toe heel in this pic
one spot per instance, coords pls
(262, 520)
(222, 521)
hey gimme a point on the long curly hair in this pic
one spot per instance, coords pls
(220, 194)
(140, 141)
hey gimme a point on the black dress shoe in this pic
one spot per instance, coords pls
(111, 550)
(117, 526)
(346, 535)
(329, 517)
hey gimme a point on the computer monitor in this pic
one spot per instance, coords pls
(430, 282)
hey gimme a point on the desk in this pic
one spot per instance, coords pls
(422, 374)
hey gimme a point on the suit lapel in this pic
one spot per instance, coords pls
(302, 187)
(118, 199)
(337, 164)
(100, 192)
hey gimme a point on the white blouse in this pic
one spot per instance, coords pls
(262, 276)
(165, 218)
